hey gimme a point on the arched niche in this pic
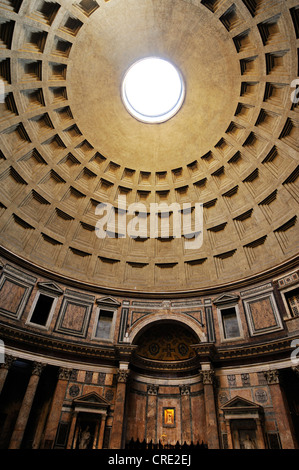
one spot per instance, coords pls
(166, 339)
(158, 320)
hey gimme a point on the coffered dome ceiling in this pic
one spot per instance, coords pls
(68, 142)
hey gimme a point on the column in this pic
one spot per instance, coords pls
(102, 431)
(282, 413)
(186, 414)
(96, 432)
(9, 360)
(211, 417)
(229, 434)
(55, 410)
(152, 396)
(119, 409)
(20, 426)
(72, 430)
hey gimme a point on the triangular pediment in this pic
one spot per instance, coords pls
(108, 302)
(50, 287)
(226, 299)
(91, 399)
(237, 403)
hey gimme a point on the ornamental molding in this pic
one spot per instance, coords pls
(272, 377)
(64, 373)
(152, 389)
(170, 366)
(237, 406)
(16, 337)
(43, 272)
(185, 390)
(50, 287)
(108, 302)
(13, 336)
(91, 400)
(225, 299)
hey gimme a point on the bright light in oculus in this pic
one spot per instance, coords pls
(153, 90)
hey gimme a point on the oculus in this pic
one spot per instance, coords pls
(153, 90)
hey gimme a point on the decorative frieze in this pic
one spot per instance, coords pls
(288, 280)
(245, 380)
(232, 380)
(185, 389)
(101, 378)
(272, 376)
(256, 290)
(152, 389)
(64, 374)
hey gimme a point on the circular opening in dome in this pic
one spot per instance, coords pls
(153, 90)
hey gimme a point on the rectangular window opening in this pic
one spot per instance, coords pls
(292, 298)
(230, 323)
(42, 310)
(104, 324)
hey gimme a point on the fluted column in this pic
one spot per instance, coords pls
(152, 395)
(282, 413)
(186, 414)
(55, 410)
(9, 360)
(20, 426)
(119, 409)
(211, 417)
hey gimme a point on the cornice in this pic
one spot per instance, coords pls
(209, 290)
(49, 345)
(32, 341)
(259, 350)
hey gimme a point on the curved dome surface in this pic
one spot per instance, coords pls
(69, 144)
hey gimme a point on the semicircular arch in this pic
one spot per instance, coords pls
(149, 320)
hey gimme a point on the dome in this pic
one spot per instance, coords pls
(69, 145)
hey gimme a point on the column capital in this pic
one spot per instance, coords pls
(64, 373)
(123, 375)
(37, 368)
(272, 376)
(152, 389)
(9, 360)
(185, 389)
(207, 376)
